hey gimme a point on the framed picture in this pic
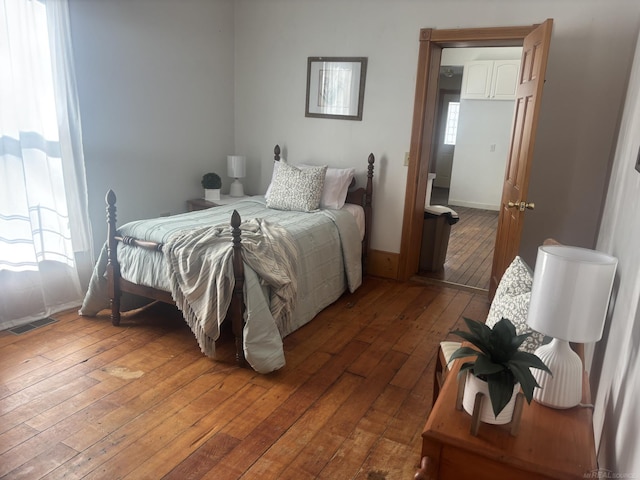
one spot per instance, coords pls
(335, 87)
(638, 161)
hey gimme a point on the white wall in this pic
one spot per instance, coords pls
(616, 366)
(155, 82)
(591, 49)
(480, 158)
(484, 133)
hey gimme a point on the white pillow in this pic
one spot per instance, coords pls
(297, 189)
(336, 185)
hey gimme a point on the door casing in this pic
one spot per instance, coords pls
(432, 42)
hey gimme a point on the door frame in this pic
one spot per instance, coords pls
(432, 42)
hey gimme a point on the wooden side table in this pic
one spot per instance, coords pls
(202, 204)
(550, 444)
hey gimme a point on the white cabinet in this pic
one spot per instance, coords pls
(490, 80)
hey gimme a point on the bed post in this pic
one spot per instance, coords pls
(276, 153)
(368, 209)
(236, 309)
(113, 267)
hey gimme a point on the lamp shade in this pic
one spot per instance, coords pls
(570, 292)
(236, 166)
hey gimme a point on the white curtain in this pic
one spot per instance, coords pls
(44, 227)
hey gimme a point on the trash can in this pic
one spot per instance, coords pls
(435, 236)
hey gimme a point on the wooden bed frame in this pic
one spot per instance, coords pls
(116, 285)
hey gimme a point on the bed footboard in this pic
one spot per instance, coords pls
(236, 309)
(116, 285)
(113, 267)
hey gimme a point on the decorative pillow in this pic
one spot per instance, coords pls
(336, 185)
(297, 189)
(276, 166)
(517, 279)
(512, 301)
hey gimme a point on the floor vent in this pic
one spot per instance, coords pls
(32, 326)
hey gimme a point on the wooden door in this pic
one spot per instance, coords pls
(515, 202)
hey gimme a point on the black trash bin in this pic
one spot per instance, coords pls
(435, 236)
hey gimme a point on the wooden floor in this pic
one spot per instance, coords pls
(83, 399)
(470, 253)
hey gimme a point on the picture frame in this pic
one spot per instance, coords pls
(638, 161)
(335, 87)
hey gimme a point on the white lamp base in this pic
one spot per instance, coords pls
(236, 189)
(564, 388)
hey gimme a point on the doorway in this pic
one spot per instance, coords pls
(468, 160)
(535, 40)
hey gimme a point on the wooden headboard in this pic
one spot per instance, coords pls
(361, 196)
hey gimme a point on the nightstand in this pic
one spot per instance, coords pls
(202, 204)
(550, 444)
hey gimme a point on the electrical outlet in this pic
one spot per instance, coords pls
(406, 159)
(492, 147)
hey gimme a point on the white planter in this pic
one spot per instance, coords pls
(211, 194)
(474, 385)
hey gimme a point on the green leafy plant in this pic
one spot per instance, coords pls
(211, 181)
(498, 360)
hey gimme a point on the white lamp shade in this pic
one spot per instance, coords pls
(570, 292)
(236, 166)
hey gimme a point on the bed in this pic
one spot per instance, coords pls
(262, 264)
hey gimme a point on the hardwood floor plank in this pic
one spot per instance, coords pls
(20, 408)
(290, 445)
(133, 430)
(15, 436)
(197, 464)
(110, 348)
(412, 370)
(470, 250)
(162, 435)
(74, 404)
(382, 462)
(84, 399)
(420, 327)
(131, 409)
(322, 447)
(42, 464)
(268, 431)
(349, 458)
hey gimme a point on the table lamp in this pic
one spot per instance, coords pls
(236, 168)
(569, 302)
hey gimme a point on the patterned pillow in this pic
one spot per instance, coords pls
(512, 301)
(517, 279)
(296, 189)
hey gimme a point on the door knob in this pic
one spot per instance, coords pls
(522, 205)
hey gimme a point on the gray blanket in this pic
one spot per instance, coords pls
(200, 266)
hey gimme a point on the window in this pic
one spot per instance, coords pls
(44, 222)
(33, 211)
(451, 127)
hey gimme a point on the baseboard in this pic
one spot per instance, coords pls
(383, 264)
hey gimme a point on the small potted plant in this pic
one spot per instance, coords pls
(499, 369)
(211, 183)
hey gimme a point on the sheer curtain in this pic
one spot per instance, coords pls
(44, 227)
